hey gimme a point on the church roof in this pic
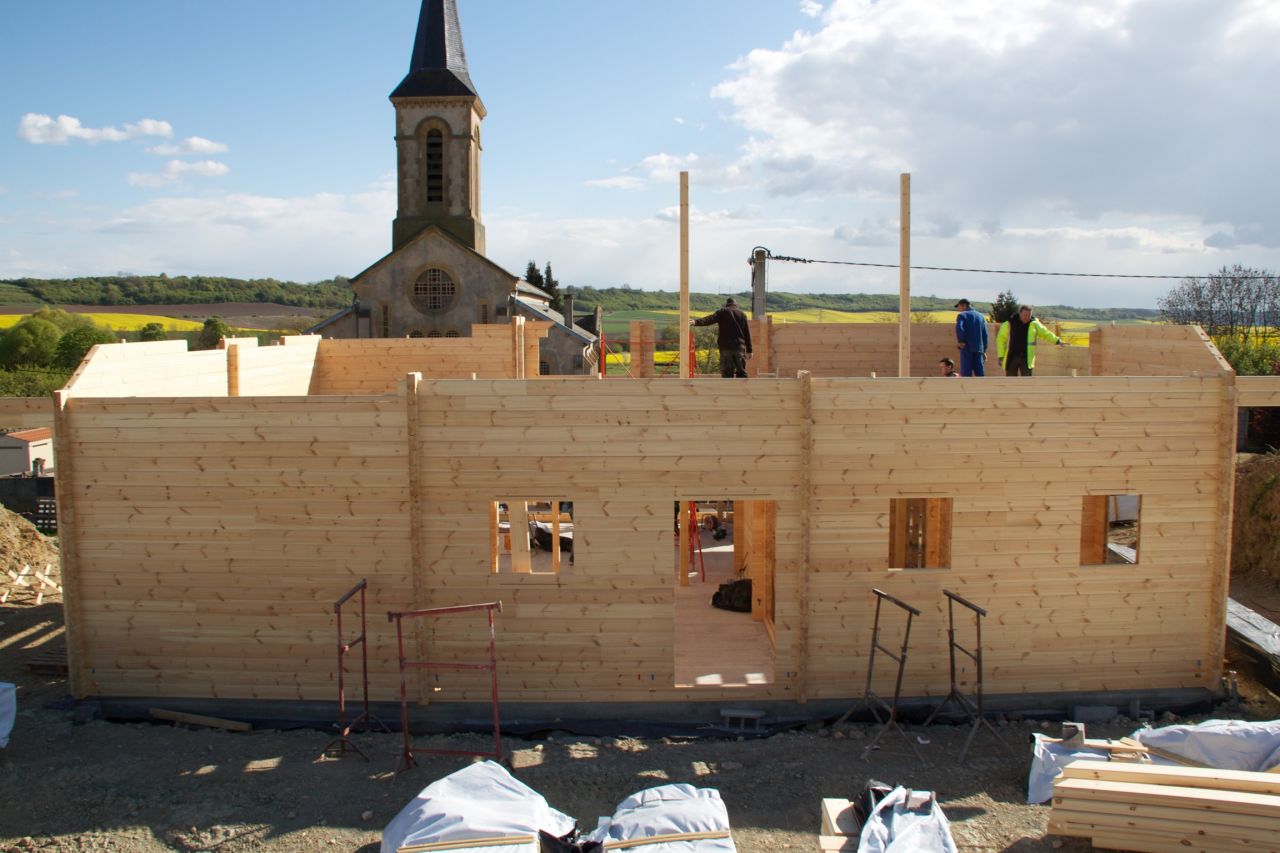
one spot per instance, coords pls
(438, 67)
(543, 312)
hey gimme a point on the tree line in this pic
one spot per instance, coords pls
(178, 290)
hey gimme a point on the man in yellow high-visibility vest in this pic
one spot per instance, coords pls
(1016, 342)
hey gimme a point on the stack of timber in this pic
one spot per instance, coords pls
(839, 827)
(1154, 808)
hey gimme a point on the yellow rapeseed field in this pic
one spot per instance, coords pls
(120, 322)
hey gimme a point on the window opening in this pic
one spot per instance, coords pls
(386, 321)
(484, 312)
(920, 533)
(416, 334)
(1109, 529)
(530, 536)
(452, 333)
(435, 166)
(434, 290)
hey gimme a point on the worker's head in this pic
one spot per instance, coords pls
(963, 305)
(946, 367)
(1024, 313)
(729, 303)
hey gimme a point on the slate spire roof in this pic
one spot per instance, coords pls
(438, 67)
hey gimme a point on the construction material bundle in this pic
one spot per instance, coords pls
(1157, 808)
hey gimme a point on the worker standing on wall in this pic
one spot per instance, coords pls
(971, 339)
(733, 338)
(1016, 342)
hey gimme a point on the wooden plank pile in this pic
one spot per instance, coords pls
(1159, 808)
(38, 583)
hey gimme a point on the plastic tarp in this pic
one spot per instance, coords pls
(1221, 744)
(1047, 761)
(907, 821)
(479, 801)
(669, 810)
(8, 711)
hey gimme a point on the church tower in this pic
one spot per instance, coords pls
(438, 115)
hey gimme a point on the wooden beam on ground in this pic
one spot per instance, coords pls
(200, 720)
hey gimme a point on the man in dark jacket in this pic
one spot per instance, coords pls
(733, 338)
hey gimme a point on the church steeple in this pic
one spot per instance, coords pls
(438, 115)
(439, 63)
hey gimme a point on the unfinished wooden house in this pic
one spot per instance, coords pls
(214, 505)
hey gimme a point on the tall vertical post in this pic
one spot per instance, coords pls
(758, 280)
(904, 280)
(684, 274)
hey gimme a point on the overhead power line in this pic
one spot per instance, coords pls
(774, 257)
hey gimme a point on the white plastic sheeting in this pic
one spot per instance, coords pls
(669, 810)
(1221, 744)
(907, 822)
(8, 711)
(1047, 761)
(480, 801)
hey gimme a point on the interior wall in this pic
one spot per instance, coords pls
(377, 365)
(1153, 351)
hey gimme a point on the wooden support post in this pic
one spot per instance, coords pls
(684, 275)
(904, 279)
(233, 370)
(806, 534)
(1093, 530)
(1221, 574)
(555, 535)
(495, 536)
(759, 279)
(518, 366)
(521, 556)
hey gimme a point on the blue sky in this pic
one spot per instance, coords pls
(255, 139)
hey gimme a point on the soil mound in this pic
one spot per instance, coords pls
(21, 544)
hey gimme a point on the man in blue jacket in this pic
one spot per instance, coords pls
(971, 338)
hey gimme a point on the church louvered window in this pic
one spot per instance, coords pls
(435, 166)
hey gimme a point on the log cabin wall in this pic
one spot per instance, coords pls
(25, 412)
(861, 349)
(1153, 351)
(207, 538)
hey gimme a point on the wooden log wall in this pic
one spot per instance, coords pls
(622, 451)
(210, 538)
(1017, 458)
(283, 370)
(206, 538)
(26, 412)
(377, 365)
(1153, 351)
(150, 369)
(860, 349)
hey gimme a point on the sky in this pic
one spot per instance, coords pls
(253, 139)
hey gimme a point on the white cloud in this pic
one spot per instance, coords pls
(621, 182)
(1130, 130)
(810, 8)
(190, 145)
(39, 129)
(175, 169)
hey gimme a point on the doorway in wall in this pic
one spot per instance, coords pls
(730, 559)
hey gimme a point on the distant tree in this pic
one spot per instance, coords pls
(31, 343)
(532, 274)
(153, 332)
(552, 287)
(31, 382)
(1003, 309)
(1233, 302)
(213, 332)
(64, 320)
(74, 345)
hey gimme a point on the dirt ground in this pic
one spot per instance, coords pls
(71, 785)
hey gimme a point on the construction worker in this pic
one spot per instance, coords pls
(1016, 342)
(733, 338)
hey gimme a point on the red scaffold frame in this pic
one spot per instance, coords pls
(406, 665)
(343, 741)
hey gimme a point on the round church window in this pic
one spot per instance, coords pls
(434, 290)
